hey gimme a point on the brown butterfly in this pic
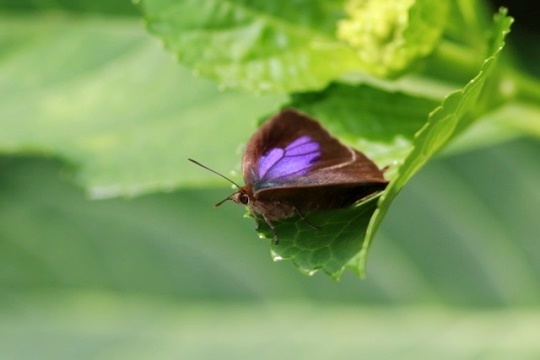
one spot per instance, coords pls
(292, 165)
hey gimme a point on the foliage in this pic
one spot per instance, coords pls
(92, 105)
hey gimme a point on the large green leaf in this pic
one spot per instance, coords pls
(255, 45)
(100, 94)
(285, 46)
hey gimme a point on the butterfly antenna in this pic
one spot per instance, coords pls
(215, 172)
(222, 201)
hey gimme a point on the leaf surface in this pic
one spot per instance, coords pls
(106, 100)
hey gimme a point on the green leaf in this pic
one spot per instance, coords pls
(108, 101)
(453, 116)
(327, 248)
(277, 46)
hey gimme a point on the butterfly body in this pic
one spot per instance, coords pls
(292, 165)
(270, 209)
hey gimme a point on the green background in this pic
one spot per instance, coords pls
(453, 272)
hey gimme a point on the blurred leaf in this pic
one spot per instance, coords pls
(116, 7)
(107, 100)
(508, 122)
(52, 237)
(104, 326)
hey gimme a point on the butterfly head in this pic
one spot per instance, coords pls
(242, 197)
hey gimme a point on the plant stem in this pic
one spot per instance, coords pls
(527, 87)
(520, 100)
(453, 63)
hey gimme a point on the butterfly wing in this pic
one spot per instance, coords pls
(292, 157)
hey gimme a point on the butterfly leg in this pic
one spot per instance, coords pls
(271, 226)
(254, 215)
(267, 221)
(303, 217)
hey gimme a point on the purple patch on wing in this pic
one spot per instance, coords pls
(302, 146)
(269, 159)
(282, 164)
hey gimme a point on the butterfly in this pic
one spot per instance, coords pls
(292, 165)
